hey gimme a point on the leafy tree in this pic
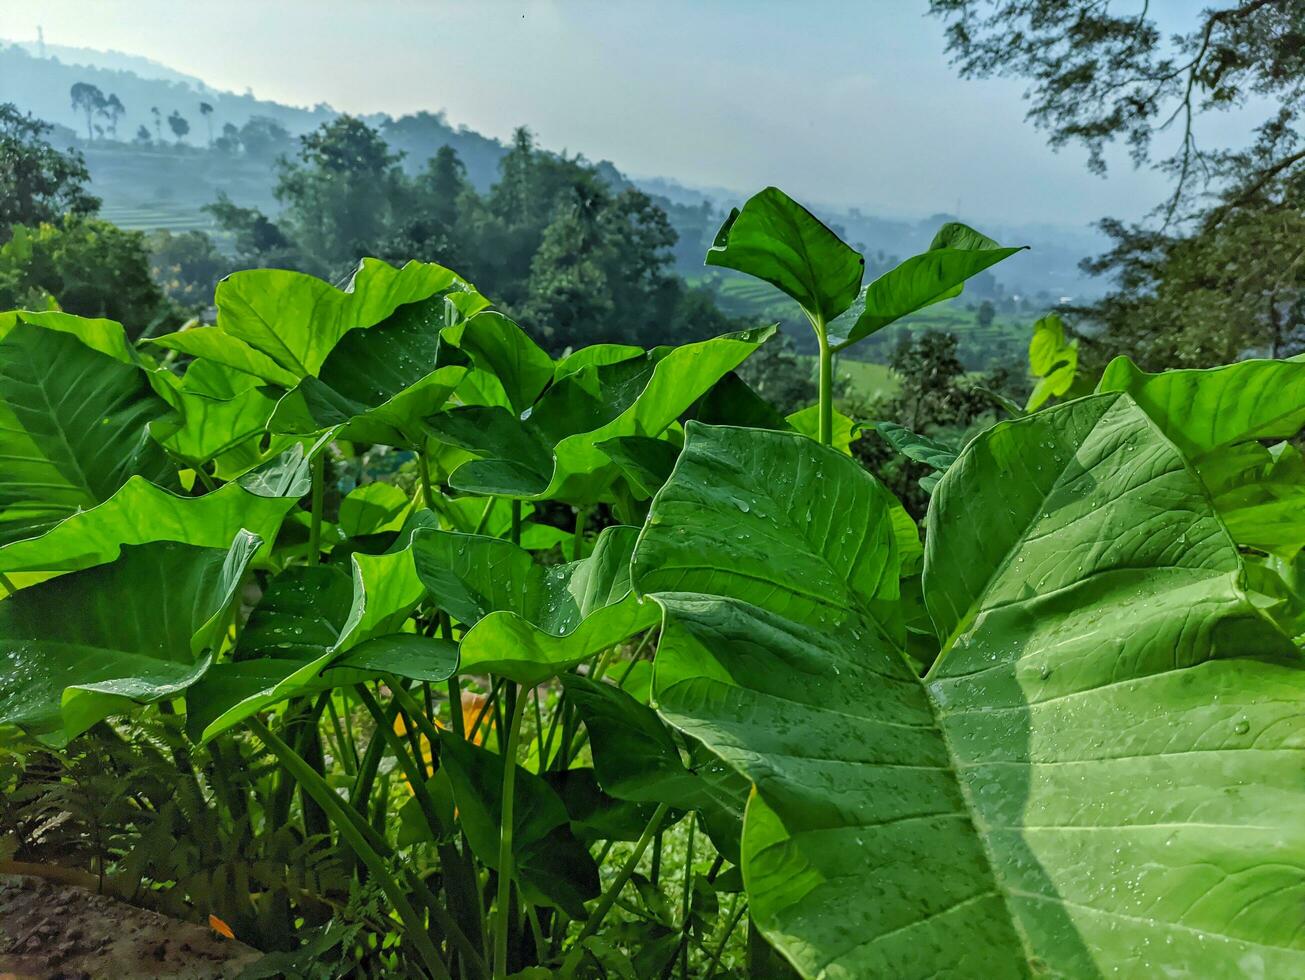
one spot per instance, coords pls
(778, 374)
(187, 266)
(158, 123)
(206, 110)
(38, 183)
(142, 134)
(342, 193)
(113, 110)
(85, 266)
(88, 99)
(935, 397)
(264, 138)
(177, 123)
(259, 243)
(1218, 273)
(985, 314)
(229, 141)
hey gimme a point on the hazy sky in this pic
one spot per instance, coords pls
(842, 103)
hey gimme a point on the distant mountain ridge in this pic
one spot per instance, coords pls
(150, 192)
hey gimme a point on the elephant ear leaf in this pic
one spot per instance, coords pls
(504, 351)
(1218, 418)
(73, 420)
(1098, 645)
(956, 253)
(140, 629)
(140, 513)
(555, 453)
(528, 622)
(377, 384)
(778, 240)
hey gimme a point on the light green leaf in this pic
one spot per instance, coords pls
(297, 320)
(505, 351)
(526, 621)
(845, 431)
(1054, 362)
(1100, 774)
(554, 453)
(374, 508)
(1260, 494)
(377, 384)
(213, 344)
(956, 253)
(222, 417)
(140, 513)
(776, 239)
(140, 629)
(72, 424)
(1205, 410)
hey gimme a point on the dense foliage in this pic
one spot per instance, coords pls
(1218, 274)
(363, 623)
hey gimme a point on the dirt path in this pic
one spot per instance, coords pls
(52, 931)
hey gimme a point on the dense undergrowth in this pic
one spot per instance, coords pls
(362, 625)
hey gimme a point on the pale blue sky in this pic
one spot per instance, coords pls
(841, 103)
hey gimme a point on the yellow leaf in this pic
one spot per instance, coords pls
(220, 927)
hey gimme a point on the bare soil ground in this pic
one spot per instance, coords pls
(49, 930)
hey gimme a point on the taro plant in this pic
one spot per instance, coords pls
(615, 658)
(776, 239)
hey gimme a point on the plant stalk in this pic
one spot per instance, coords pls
(503, 902)
(614, 890)
(315, 517)
(427, 498)
(826, 430)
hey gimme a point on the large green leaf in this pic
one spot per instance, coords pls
(140, 513)
(504, 351)
(526, 621)
(554, 454)
(377, 384)
(1099, 775)
(1260, 494)
(140, 629)
(231, 691)
(776, 239)
(1216, 417)
(956, 253)
(384, 589)
(72, 421)
(1205, 410)
(281, 325)
(222, 417)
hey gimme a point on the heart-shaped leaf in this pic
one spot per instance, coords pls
(139, 629)
(526, 621)
(1098, 774)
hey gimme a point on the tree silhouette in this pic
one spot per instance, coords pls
(113, 110)
(158, 123)
(177, 123)
(88, 99)
(206, 111)
(142, 134)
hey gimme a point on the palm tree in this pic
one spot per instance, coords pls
(206, 111)
(89, 99)
(113, 110)
(158, 123)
